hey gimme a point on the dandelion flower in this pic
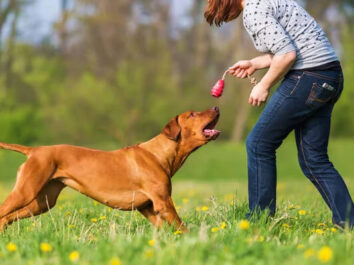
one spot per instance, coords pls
(178, 232)
(94, 220)
(11, 247)
(302, 212)
(333, 230)
(223, 225)
(185, 200)
(197, 208)
(309, 253)
(102, 217)
(95, 203)
(244, 224)
(45, 247)
(319, 231)
(300, 246)
(325, 254)
(285, 225)
(151, 242)
(205, 208)
(260, 239)
(115, 261)
(74, 256)
(215, 229)
(149, 253)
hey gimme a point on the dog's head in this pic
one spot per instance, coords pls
(193, 129)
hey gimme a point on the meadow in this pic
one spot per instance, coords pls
(210, 193)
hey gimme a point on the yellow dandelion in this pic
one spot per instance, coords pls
(291, 206)
(178, 232)
(11, 247)
(115, 261)
(45, 247)
(223, 225)
(321, 225)
(149, 253)
(185, 200)
(215, 229)
(285, 225)
(302, 212)
(71, 226)
(95, 203)
(325, 254)
(244, 224)
(300, 246)
(102, 217)
(309, 253)
(94, 220)
(333, 230)
(205, 208)
(109, 209)
(67, 213)
(319, 231)
(260, 239)
(74, 256)
(197, 208)
(151, 242)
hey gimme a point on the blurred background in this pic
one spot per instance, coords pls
(98, 72)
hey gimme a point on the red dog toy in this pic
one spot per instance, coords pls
(218, 88)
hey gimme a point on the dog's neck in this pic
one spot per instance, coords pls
(170, 154)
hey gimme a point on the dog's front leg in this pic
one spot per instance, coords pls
(164, 207)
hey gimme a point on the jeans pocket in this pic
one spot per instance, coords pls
(320, 95)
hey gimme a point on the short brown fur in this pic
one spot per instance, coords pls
(132, 178)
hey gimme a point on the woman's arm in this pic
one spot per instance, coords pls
(247, 67)
(280, 65)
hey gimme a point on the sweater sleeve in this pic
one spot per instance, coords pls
(267, 33)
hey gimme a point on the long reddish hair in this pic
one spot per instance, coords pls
(220, 11)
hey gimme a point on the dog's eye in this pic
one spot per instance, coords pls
(191, 115)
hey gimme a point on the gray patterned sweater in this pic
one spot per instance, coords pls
(281, 26)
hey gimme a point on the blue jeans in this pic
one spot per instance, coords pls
(303, 102)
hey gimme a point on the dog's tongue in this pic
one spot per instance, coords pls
(211, 133)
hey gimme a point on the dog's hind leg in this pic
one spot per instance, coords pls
(45, 200)
(31, 178)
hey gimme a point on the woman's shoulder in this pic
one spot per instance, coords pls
(257, 9)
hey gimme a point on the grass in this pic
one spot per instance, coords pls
(210, 194)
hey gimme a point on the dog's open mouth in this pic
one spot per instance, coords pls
(209, 131)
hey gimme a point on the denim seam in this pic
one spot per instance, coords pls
(306, 163)
(297, 84)
(321, 76)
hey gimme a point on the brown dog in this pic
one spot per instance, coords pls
(136, 177)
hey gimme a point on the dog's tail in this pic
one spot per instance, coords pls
(15, 147)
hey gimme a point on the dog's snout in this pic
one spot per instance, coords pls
(216, 109)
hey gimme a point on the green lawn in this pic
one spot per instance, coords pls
(210, 193)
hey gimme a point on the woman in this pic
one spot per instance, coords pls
(294, 46)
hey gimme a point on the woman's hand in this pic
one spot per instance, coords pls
(242, 69)
(259, 95)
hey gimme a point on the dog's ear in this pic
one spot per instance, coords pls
(172, 130)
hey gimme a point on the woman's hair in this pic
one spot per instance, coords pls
(220, 11)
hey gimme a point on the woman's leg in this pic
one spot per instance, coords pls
(312, 141)
(275, 123)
